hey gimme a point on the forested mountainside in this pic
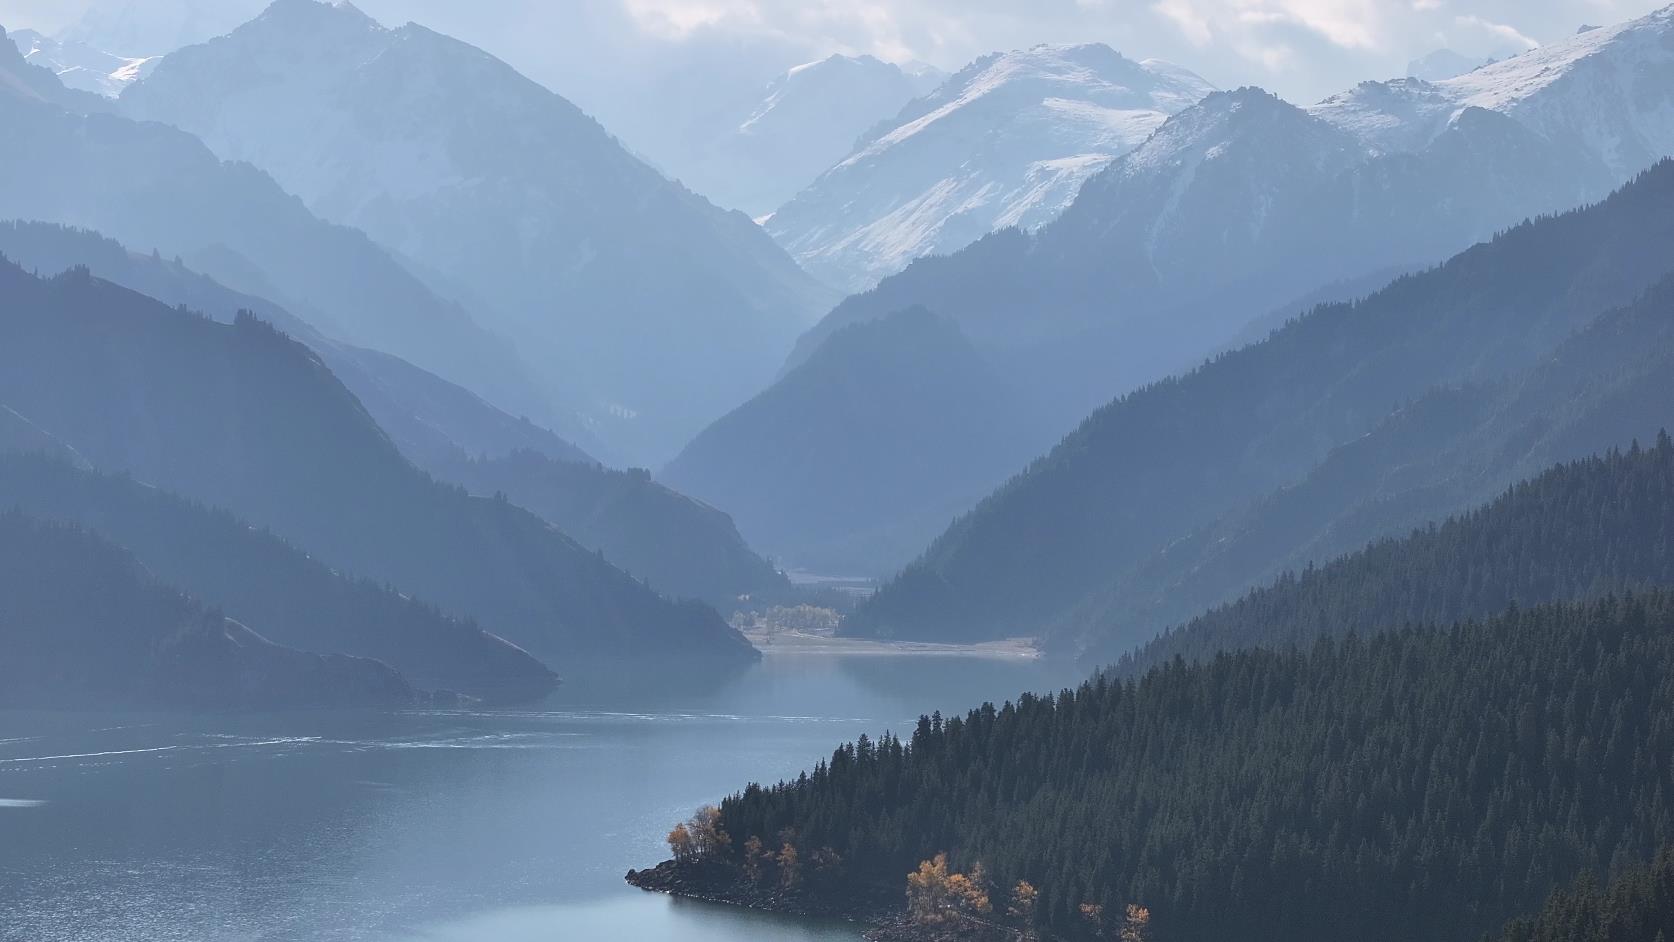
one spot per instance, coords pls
(154, 187)
(1600, 526)
(264, 582)
(855, 459)
(1455, 447)
(1637, 903)
(684, 549)
(241, 417)
(430, 418)
(1423, 783)
(84, 625)
(663, 308)
(681, 547)
(1154, 466)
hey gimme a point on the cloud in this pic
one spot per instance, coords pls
(1191, 23)
(1301, 49)
(1500, 30)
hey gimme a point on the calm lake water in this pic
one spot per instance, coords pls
(446, 826)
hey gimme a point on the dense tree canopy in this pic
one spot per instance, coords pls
(1580, 530)
(1421, 783)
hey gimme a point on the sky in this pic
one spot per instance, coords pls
(608, 54)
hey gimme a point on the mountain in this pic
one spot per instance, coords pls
(84, 625)
(430, 419)
(1607, 89)
(1581, 530)
(804, 121)
(1441, 64)
(240, 416)
(1424, 783)
(857, 457)
(1454, 447)
(664, 309)
(80, 66)
(1241, 204)
(1156, 465)
(1005, 142)
(264, 582)
(156, 188)
(683, 548)
(1234, 207)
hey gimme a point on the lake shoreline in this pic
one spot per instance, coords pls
(794, 642)
(878, 920)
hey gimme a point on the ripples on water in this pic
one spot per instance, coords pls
(452, 826)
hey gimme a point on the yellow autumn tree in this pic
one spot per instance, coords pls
(935, 895)
(680, 842)
(790, 867)
(709, 839)
(1023, 897)
(1136, 923)
(754, 857)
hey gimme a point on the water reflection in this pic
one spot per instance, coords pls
(464, 825)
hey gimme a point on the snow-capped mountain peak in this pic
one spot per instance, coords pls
(1611, 89)
(80, 66)
(1007, 141)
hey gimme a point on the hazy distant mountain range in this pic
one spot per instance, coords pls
(620, 285)
(80, 66)
(759, 153)
(856, 458)
(1185, 492)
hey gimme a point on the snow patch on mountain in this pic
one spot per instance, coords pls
(80, 66)
(1008, 141)
(1608, 89)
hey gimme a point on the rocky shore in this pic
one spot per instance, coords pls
(882, 918)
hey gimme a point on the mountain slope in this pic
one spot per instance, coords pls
(1006, 142)
(855, 458)
(1606, 88)
(153, 187)
(262, 581)
(1452, 448)
(1582, 530)
(241, 417)
(682, 547)
(429, 418)
(84, 625)
(80, 66)
(665, 308)
(1242, 203)
(1153, 466)
(806, 119)
(1416, 784)
(1234, 207)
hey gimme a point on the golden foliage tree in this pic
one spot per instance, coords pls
(1022, 906)
(754, 856)
(935, 895)
(790, 866)
(708, 838)
(1136, 923)
(680, 842)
